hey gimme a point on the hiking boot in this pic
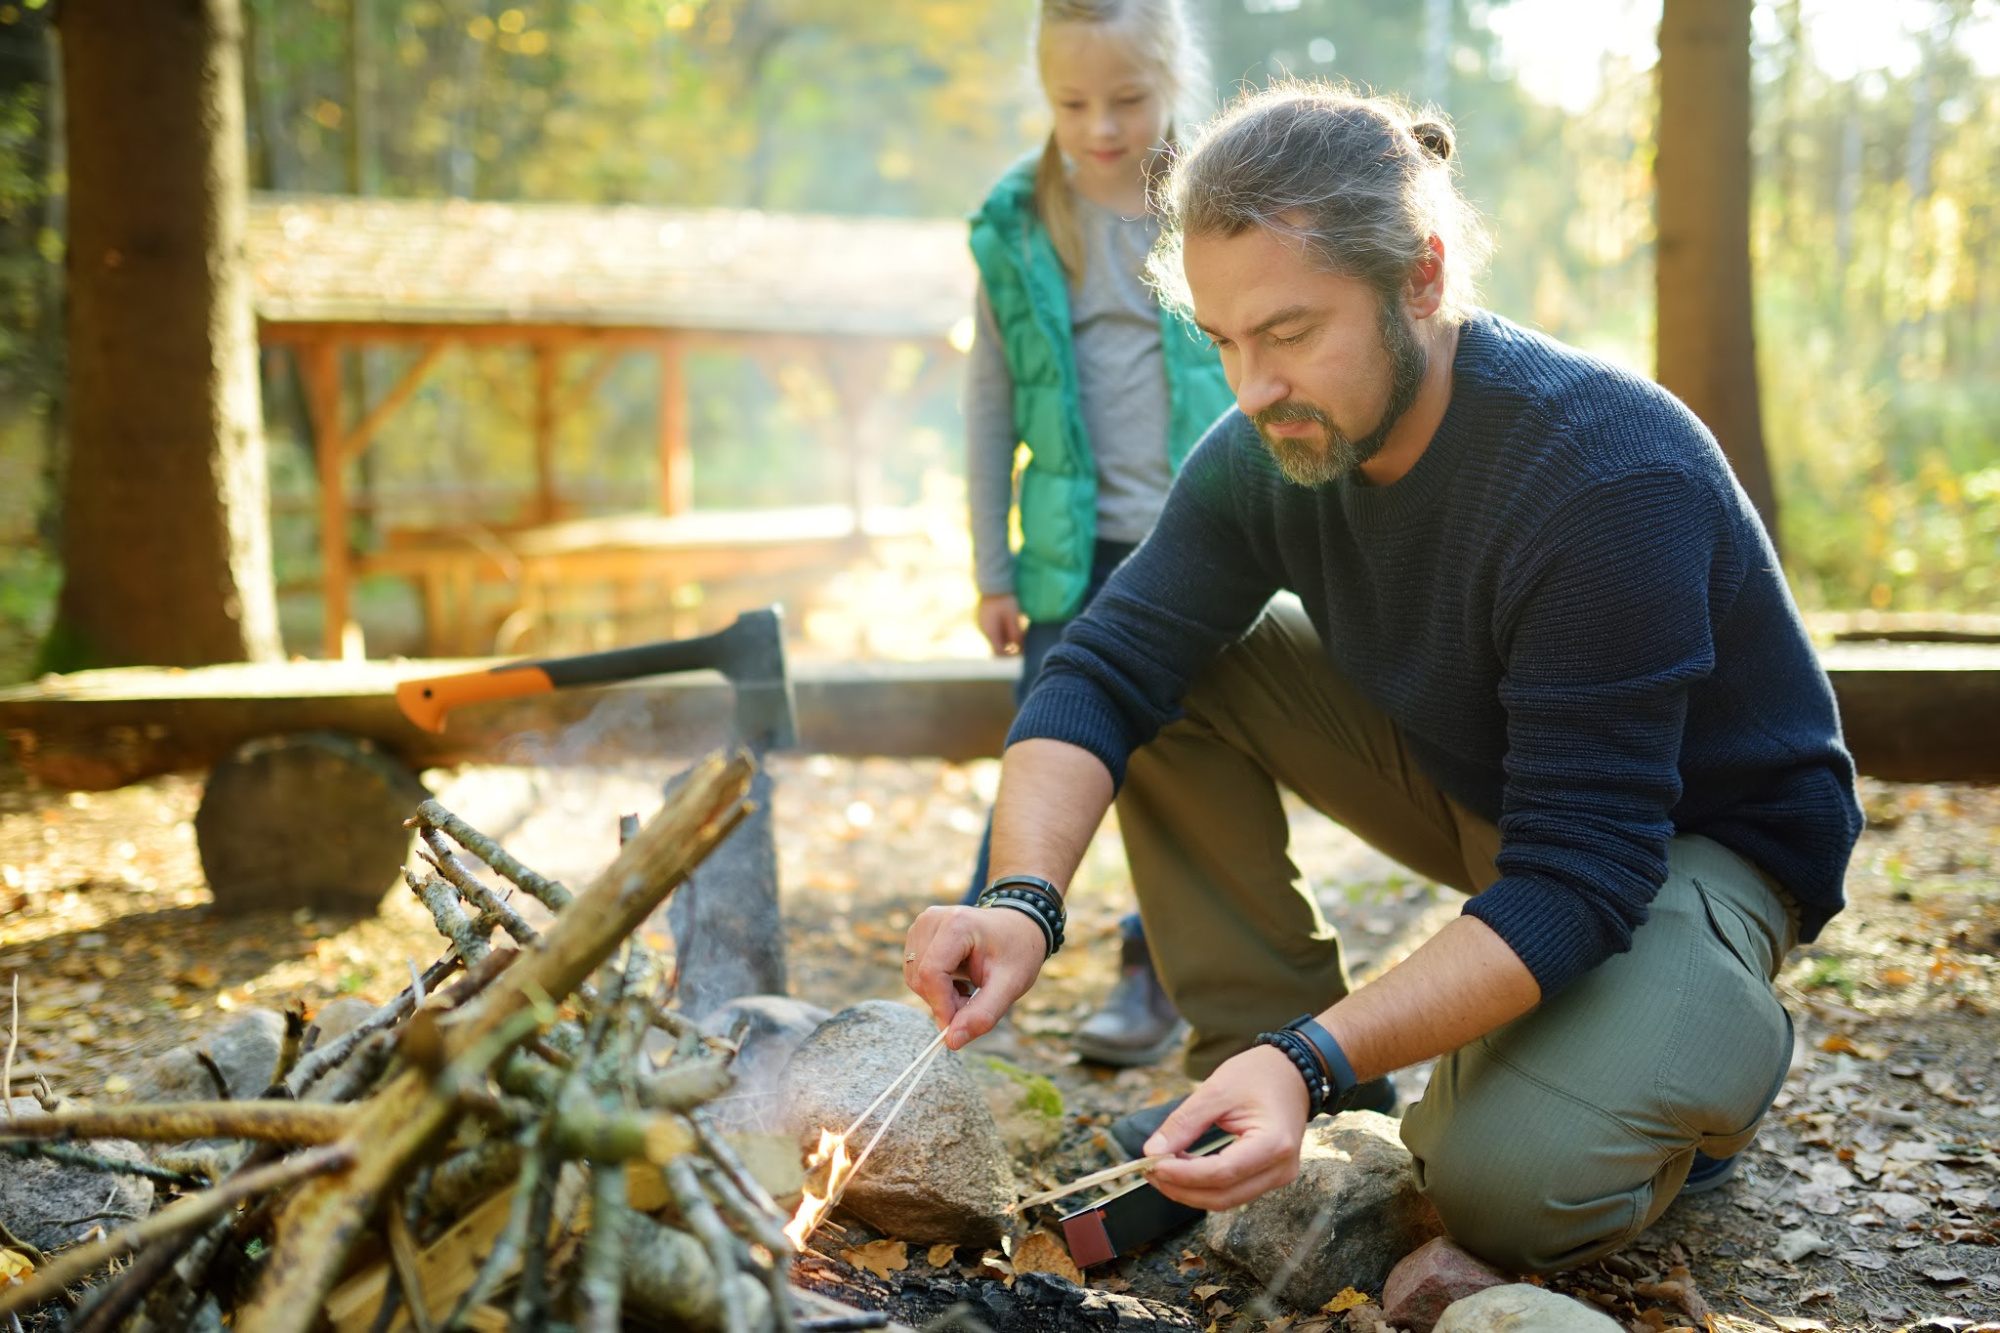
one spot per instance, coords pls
(1131, 1132)
(1137, 1024)
(1708, 1173)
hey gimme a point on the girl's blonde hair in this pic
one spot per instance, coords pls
(1363, 183)
(1161, 39)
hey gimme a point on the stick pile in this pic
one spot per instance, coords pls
(490, 1151)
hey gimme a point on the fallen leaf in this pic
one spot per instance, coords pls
(1946, 1275)
(1040, 1252)
(1190, 1262)
(1839, 1043)
(1897, 976)
(1796, 1245)
(880, 1257)
(1348, 1299)
(1208, 1289)
(940, 1255)
(1793, 1324)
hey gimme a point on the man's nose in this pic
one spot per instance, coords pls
(1258, 387)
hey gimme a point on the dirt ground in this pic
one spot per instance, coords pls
(1869, 1201)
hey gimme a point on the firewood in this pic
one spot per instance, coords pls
(495, 1124)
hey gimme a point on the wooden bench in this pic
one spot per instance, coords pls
(1912, 713)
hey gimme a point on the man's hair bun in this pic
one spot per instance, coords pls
(1435, 136)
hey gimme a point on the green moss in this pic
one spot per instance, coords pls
(1038, 1095)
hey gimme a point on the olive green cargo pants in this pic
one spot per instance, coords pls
(1552, 1140)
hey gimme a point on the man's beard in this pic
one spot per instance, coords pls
(1312, 463)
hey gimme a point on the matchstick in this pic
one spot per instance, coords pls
(1111, 1173)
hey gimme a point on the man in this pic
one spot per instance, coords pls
(1540, 650)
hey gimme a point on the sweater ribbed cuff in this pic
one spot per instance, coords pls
(1546, 925)
(1078, 716)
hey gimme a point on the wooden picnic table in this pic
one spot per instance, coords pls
(640, 558)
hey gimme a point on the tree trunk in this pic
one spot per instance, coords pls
(166, 543)
(1707, 348)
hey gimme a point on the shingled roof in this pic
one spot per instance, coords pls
(335, 259)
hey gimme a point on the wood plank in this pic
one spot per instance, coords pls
(1912, 712)
(548, 369)
(96, 730)
(676, 459)
(319, 366)
(1919, 712)
(399, 393)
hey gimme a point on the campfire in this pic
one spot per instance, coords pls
(832, 1149)
(490, 1150)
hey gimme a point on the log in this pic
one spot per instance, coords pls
(312, 820)
(99, 730)
(1920, 712)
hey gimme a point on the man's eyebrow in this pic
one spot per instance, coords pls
(1285, 316)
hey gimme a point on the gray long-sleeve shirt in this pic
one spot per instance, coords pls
(1121, 378)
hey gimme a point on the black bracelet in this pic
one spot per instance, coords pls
(1339, 1070)
(1030, 905)
(1035, 896)
(1294, 1048)
(1034, 884)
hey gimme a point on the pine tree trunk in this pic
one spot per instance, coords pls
(166, 543)
(1707, 348)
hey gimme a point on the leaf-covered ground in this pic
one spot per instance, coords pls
(1869, 1201)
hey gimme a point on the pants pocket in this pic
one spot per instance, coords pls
(1739, 1038)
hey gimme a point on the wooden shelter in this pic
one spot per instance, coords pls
(332, 275)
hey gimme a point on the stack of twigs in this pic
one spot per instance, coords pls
(491, 1150)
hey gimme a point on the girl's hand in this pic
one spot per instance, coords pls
(1259, 1097)
(1000, 621)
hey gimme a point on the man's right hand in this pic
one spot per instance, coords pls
(1000, 621)
(1000, 951)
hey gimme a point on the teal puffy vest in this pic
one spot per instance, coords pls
(1029, 293)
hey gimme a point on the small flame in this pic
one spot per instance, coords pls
(832, 1153)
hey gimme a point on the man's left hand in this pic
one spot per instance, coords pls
(1259, 1097)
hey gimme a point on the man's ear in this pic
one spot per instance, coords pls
(1425, 292)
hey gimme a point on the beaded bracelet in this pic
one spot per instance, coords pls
(1032, 905)
(1319, 1089)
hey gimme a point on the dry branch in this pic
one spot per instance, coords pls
(177, 1122)
(498, 1129)
(82, 1260)
(408, 1117)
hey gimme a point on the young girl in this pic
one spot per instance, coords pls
(1076, 359)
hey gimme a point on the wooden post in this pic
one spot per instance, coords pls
(676, 472)
(548, 362)
(319, 364)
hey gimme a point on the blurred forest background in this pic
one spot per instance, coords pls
(1875, 217)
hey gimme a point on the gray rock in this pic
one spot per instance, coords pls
(941, 1173)
(336, 1018)
(245, 1049)
(1027, 1107)
(768, 1030)
(1520, 1308)
(50, 1205)
(1355, 1170)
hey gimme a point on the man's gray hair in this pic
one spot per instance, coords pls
(1362, 182)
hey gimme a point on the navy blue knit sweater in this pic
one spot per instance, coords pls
(1567, 605)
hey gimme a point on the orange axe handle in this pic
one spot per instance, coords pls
(426, 702)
